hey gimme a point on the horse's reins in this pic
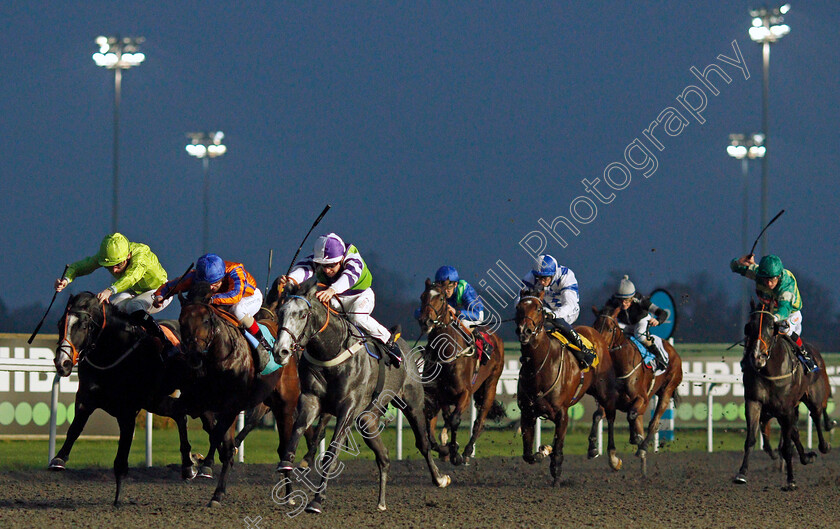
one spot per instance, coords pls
(613, 333)
(540, 328)
(769, 347)
(84, 358)
(439, 321)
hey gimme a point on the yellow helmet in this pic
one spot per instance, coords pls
(113, 250)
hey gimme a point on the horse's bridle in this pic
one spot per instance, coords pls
(613, 331)
(538, 327)
(297, 341)
(760, 338)
(441, 315)
(78, 354)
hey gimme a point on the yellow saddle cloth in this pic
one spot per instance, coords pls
(586, 342)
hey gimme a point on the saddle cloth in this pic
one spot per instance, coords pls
(267, 365)
(586, 342)
(647, 357)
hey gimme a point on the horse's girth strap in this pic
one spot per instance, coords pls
(347, 353)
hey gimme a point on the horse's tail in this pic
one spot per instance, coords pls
(497, 411)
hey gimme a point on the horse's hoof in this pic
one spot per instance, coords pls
(789, 487)
(467, 461)
(205, 472)
(214, 503)
(825, 448)
(188, 473)
(641, 454)
(593, 453)
(809, 458)
(530, 459)
(740, 479)
(615, 463)
(57, 464)
(382, 507)
(284, 466)
(314, 507)
(444, 481)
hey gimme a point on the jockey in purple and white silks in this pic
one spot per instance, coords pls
(348, 281)
(561, 303)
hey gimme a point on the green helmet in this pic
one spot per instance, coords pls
(769, 266)
(113, 250)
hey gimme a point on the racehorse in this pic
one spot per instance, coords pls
(550, 379)
(120, 371)
(225, 378)
(636, 384)
(458, 373)
(340, 376)
(774, 384)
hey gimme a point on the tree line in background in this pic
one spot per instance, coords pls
(706, 311)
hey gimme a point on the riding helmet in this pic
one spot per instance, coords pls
(210, 268)
(329, 249)
(626, 288)
(113, 250)
(446, 273)
(769, 266)
(544, 266)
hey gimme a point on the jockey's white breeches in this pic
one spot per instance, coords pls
(247, 306)
(130, 302)
(639, 330)
(357, 309)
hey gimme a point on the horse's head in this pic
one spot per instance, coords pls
(198, 325)
(759, 335)
(299, 319)
(78, 329)
(434, 310)
(530, 319)
(606, 323)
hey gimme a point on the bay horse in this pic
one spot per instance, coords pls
(459, 374)
(550, 379)
(120, 371)
(774, 384)
(225, 379)
(636, 383)
(340, 376)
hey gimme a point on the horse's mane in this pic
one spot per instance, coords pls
(199, 293)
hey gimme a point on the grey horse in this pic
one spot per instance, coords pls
(338, 375)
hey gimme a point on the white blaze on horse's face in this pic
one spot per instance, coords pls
(64, 352)
(293, 321)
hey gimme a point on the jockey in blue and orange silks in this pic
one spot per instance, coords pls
(341, 268)
(232, 286)
(464, 305)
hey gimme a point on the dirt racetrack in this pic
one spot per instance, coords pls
(682, 490)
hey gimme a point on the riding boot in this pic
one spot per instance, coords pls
(585, 356)
(484, 346)
(803, 353)
(153, 329)
(394, 352)
(661, 365)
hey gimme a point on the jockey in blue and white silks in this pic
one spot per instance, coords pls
(348, 281)
(561, 303)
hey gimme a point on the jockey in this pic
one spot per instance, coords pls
(465, 305)
(232, 287)
(561, 303)
(136, 270)
(348, 281)
(635, 319)
(776, 287)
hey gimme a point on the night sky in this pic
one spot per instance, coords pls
(440, 134)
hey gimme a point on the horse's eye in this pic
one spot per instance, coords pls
(302, 316)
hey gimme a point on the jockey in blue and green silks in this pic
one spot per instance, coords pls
(464, 304)
(776, 287)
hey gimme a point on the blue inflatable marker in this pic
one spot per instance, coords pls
(662, 299)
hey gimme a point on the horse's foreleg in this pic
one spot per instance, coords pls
(486, 397)
(527, 423)
(752, 410)
(593, 452)
(126, 422)
(222, 438)
(788, 424)
(308, 409)
(314, 435)
(452, 425)
(253, 416)
(205, 465)
(635, 418)
(615, 461)
(805, 458)
(663, 401)
(188, 471)
(368, 426)
(82, 414)
(329, 467)
(764, 428)
(561, 422)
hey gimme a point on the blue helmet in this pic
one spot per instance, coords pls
(210, 268)
(446, 273)
(544, 266)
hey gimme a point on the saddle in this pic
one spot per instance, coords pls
(264, 359)
(648, 358)
(566, 343)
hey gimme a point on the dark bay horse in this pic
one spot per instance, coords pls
(550, 379)
(636, 383)
(339, 376)
(225, 380)
(774, 384)
(120, 372)
(459, 374)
